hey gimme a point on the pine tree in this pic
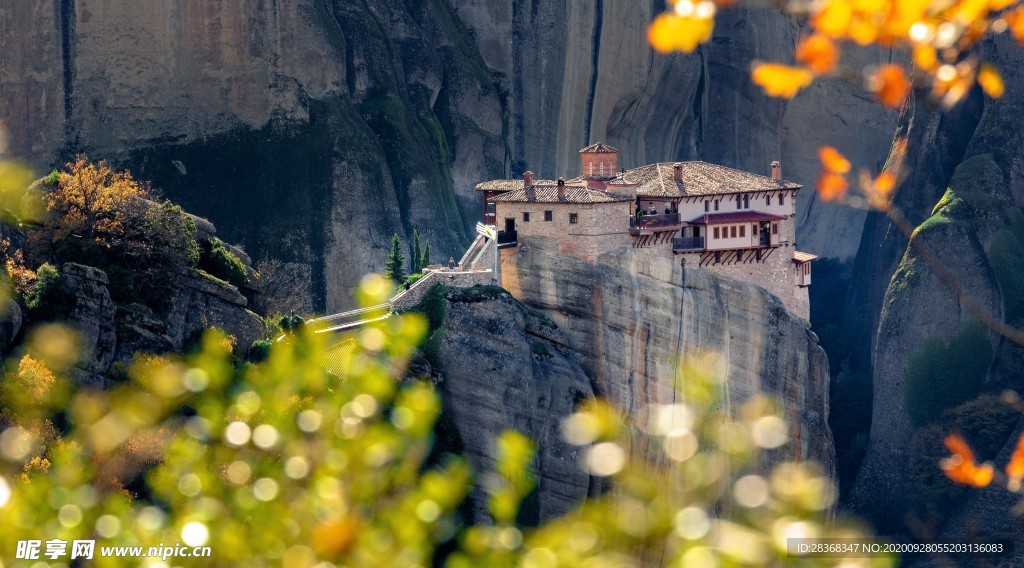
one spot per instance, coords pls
(425, 260)
(394, 266)
(416, 255)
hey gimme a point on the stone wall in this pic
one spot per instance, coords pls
(601, 227)
(461, 279)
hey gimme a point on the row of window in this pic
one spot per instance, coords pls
(549, 215)
(743, 202)
(739, 231)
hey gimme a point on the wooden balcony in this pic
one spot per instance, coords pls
(662, 222)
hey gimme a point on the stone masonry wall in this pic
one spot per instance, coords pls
(602, 227)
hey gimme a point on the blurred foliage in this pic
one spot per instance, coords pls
(939, 39)
(941, 375)
(283, 463)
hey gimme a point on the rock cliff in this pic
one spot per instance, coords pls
(964, 193)
(634, 314)
(337, 123)
(501, 366)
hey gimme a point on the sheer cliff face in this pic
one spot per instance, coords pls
(968, 150)
(582, 72)
(634, 315)
(336, 123)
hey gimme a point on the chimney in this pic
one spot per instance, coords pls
(527, 179)
(677, 172)
(776, 170)
(561, 189)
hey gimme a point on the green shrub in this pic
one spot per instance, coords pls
(220, 262)
(259, 350)
(479, 293)
(413, 278)
(940, 376)
(52, 178)
(173, 231)
(291, 323)
(48, 298)
(540, 350)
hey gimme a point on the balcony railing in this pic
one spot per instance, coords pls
(508, 239)
(655, 221)
(687, 243)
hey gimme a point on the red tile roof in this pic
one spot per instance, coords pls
(699, 178)
(549, 194)
(599, 148)
(508, 184)
(737, 217)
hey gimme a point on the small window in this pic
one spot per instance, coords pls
(526, 217)
(782, 199)
(732, 232)
(743, 230)
(739, 202)
(716, 232)
(547, 215)
(707, 206)
(746, 202)
(768, 200)
(716, 205)
(753, 230)
(573, 218)
(775, 228)
(490, 208)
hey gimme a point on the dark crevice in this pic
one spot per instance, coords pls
(66, 22)
(595, 53)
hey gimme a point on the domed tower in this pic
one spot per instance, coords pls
(599, 161)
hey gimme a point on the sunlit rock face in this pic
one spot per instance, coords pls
(634, 315)
(337, 124)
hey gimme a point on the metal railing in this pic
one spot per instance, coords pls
(654, 221)
(688, 243)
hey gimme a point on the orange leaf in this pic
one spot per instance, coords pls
(831, 185)
(833, 160)
(1015, 22)
(890, 85)
(781, 80)
(956, 444)
(967, 472)
(991, 82)
(1015, 469)
(818, 53)
(884, 184)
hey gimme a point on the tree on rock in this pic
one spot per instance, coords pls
(425, 259)
(91, 199)
(394, 266)
(417, 256)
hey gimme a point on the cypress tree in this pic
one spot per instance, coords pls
(425, 260)
(394, 266)
(417, 257)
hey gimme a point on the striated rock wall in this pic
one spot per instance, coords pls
(337, 123)
(500, 368)
(634, 314)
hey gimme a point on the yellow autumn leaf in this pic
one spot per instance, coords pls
(834, 18)
(781, 80)
(991, 82)
(670, 32)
